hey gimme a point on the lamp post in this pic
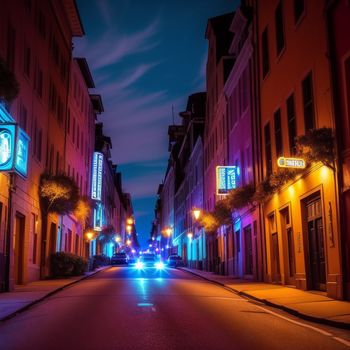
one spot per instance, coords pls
(89, 235)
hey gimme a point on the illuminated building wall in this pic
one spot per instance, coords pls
(338, 14)
(243, 240)
(79, 145)
(300, 221)
(215, 136)
(37, 46)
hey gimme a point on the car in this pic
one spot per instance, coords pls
(119, 259)
(149, 260)
(175, 261)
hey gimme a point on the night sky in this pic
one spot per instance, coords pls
(145, 56)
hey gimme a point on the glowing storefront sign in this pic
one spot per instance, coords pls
(14, 144)
(21, 160)
(98, 217)
(7, 146)
(298, 163)
(226, 178)
(97, 168)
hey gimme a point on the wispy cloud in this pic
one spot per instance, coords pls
(114, 89)
(113, 47)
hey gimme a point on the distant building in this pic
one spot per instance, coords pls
(219, 65)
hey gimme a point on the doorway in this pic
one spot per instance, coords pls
(316, 251)
(248, 250)
(19, 248)
(53, 238)
(275, 259)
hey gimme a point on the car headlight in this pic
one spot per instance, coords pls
(160, 265)
(139, 265)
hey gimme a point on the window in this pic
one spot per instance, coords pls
(11, 46)
(55, 50)
(76, 248)
(279, 28)
(299, 8)
(278, 133)
(23, 117)
(308, 103)
(39, 82)
(52, 97)
(292, 128)
(68, 122)
(265, 53)
(347, 83)
(27, 61)
(41, 24)
(268, 157)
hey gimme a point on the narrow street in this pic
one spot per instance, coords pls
(121, 308)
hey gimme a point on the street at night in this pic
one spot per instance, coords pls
(122, 308)
(174, 174)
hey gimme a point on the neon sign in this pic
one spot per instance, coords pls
(7, 146)
(96, 183)
(226, 178)
(14, 144)
(294, 163)
(21, 160)
(98, 217)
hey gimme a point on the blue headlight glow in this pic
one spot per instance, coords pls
(160, 265)
(139, 265)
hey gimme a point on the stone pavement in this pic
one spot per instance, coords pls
(24, 296)
(308, 305)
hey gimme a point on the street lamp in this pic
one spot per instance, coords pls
(196, 213)
(89, 235)
(168, 231)
(130, 221)
(128, 242)
(117, 239)
(190, 235)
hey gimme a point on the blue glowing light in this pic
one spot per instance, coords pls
(21, 161)
(7, 146)
(97, 171)
(160, 265)
(139, 265)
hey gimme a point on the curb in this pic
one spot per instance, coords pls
(325, 321)
(36, 301)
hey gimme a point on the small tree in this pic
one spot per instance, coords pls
(58, 194)
(83, 209)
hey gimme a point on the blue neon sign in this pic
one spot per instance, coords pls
(14, 144)
(7, 146)
(226, 178)
(21, 160)
(97, 171)
(98, 217)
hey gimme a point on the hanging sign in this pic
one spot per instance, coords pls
(226, 179)
(294, 163)
(14, 144)
(96, 182)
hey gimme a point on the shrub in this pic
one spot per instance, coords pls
(100, 260)
(67, 264)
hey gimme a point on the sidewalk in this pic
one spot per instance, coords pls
(307, 305)
(27, 295)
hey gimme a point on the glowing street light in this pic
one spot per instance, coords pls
(128, 242)
(117, 239)
(89, 235)
(168, 231)
(196, 213)
(129, 228)
(190, 235)
(130, 221)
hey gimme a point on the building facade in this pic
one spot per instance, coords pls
(300, 220)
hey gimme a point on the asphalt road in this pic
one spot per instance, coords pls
(121, 308)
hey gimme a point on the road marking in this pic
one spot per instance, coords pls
(343, 341)
(296, 322)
